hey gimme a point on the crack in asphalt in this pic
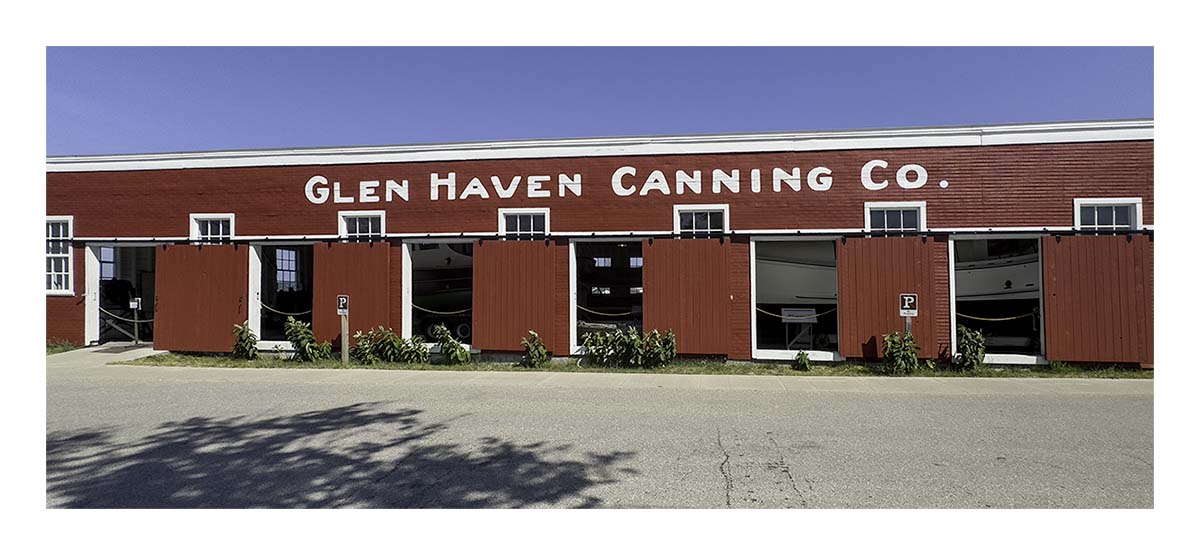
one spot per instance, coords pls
(787, 471)
(724, 468)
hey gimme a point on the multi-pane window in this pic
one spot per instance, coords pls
(363, 227)
(635, 262)
(1106, 216)
(58, 255)
(524, 225)
(701, 223)
(895, 219)
(214, 230)
(285, 269)
(603, 262)
(108, 263)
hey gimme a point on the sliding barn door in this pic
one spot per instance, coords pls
(686, 290)
(200, 294)
(515, 291)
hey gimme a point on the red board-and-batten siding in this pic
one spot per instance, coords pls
(200, 294)
(989, 186)
(1099, 298)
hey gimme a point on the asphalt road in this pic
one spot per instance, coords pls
(122, 436)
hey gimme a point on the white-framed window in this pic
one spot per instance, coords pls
(361, 225)
(635, 262)
(1108, 213)
(108, 263)
(603, 261)
(59, 262)
(701, 220)
(285, 269)
(894, 216)
(524, 223)
(211, 228)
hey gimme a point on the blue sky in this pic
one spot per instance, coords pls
(126, 100)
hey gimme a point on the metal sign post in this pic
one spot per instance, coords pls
(908, 309)
(343, 310)
(135, 304)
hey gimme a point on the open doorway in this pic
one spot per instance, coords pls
(998, 291)
(608, 287)
(442, 287)
(796, 297)
(285, 288)
(126, 293)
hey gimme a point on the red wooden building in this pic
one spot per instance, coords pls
(748, 246)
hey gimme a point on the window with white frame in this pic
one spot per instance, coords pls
(635, 262)
(285, 269)
(365, 225)
(212, 228)
(891, 217)
(1108, 214)
(58, 255)
(701, 221)
(516, 224)
(108, 263)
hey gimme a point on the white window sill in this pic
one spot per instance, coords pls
(785, 354)
(60, 293)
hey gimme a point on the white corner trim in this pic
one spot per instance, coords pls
(1111, 201)
(195, 218)
(959, 136)
(342, 214)
(919, 204)
(680, 208)
(502, 212)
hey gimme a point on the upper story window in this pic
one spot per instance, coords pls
(361, 225)
(58, 255)
(524, 223)
(211, 228)
(895, 216)
(108, 263)
(702, 220)
(1108, 214)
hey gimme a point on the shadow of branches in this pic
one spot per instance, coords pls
(352, 456)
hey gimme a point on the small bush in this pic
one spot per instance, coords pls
(900, 354)
(801, 362)
(630, 349)
(245, 343)
(535, 351)
(970, 349)
(453, 352)
(381, 344)
(304, 343)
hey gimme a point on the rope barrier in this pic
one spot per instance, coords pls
(264, 305)
(135, 321)
(463, 311)
(780, 316)
(996, 319)
(585, 309)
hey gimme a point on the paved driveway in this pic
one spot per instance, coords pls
(122, 436)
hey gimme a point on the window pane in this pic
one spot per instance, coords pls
(1104, 215)
(1121, 215)
(701, 219)
(1087, 215)
(910, 219)
(716, 221)
(376, 225)
(686, 221)
(526, 222)
(510, 223)
(225, 228)
(539, 223)
(877, 219)
(635, 262)
(893, 219)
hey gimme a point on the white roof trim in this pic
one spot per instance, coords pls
(1122, 130)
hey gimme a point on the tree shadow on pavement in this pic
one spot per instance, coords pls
(352, 456)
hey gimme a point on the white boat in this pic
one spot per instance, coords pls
(993, 279)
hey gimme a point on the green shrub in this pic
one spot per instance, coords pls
(535, 351)
(801, 362)
(900, 353)
(970, 349)
(630, 349)
(453, 352)
(304, 343)
(245, 343)
(381, 344)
